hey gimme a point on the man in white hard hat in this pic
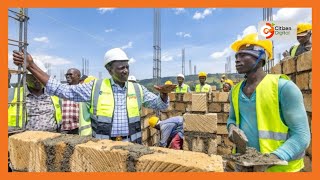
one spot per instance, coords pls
(43, 112)
(182, 88)
(132, 79)
(115, 102)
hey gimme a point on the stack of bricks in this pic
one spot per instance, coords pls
(36, 151)
(205, 118)
(150, 136)
(299, 70)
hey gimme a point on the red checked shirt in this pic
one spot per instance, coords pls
(70, 115)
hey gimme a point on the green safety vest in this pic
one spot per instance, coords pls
(12, 109)
(294, 50)
(84, 119)
(102, 108)
(205, 88)
(272, 131)
(183, 89)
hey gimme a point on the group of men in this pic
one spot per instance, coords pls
(267, 110)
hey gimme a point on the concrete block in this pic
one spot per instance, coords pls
(307, 99)
(307, 164)
(187, 97)
(174, 113)
(214, 88)
(170, 108)
(220, 97)
(277, 69)
(223, 117)
(309, 150)
(224, 150)
(189, 107)
(226, 140)
(304, 61)
(212, 146)
(199, 102)
(200, 123)
(222, 129)
(219, 140)
(302, 81)
(172, 96)
(215, 107)
(180, 106)
(310, 80)
(226, 107)
(197, 145)
(289, 66)
(146, 111)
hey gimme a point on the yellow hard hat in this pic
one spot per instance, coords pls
(153, 121)
(201, 74)
(168, 83)
(252, 39)
(302, 27)
(229, 81)
(223, 75)
(89, 79)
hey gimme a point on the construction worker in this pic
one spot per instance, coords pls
(223, 78)
(115, 103)
(171, 131)
(168, 83)
(267, 109)
(70, 109)
(203, 86)
(132, 79)
(304, 32)
(43, 111)
(83, 77)
(182, 88)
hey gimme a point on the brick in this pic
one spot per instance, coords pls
(212, 146)
(310, 80)
(188, 107)
(200, 123)
(221, 97)
(307, 164)
(226, 141)
(219, 140)
(276, 69)
(172, 96)
(304, 61)
(145, 122)
(146, 111)
(170, 107)
(214, 88)
(179, 96)
(185, 145)
(309, 115)
(226, 107)
(197, 144)
(223, 117)
(164, 115)
(187, 97)
(289, 66)
(215, 107)
(169, 160)
(302, 81)
(222, 129)
(101, 156)
(309, 150)
(307, 99)
(179, 106)
(174, 113)
(224, 150)
(24, 146)
(199, 102)
(145, 134)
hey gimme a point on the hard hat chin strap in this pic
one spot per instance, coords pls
(261, 53)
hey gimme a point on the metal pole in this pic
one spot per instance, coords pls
(25, 36)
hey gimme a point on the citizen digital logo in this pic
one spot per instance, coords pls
(277, 30)
(282, 28)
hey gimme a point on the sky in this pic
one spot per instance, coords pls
(62, 37)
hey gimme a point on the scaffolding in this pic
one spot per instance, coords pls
(21, 16)
(267, 16)
(156, 47)
(183, 61)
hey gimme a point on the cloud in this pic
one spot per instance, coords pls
(178, 11)
(247, 30)
(293, 14)
(53, 60)
(166, 58)
(129, 45)
(222, 54)
(201, 15)
(132, 60)
(183, 34)
(108, 30)
(104, 10)
(41, 39)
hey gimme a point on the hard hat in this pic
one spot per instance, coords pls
(89, 79)
(303, 29)
(153, 121)
(250, 44)
(132, 78)
(40, 65)
(168, 83)
(223, 75)
(181, 75)
(115, 54)
(229, 81)
(201, 74)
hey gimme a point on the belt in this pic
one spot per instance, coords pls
(120, 138)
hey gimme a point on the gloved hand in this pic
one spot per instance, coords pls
(240, 132)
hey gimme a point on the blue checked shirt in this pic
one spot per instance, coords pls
(82, 93)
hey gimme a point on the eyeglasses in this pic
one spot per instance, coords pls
(68, 74)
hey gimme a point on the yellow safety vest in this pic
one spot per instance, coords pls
(205, 88)
(183, 89)
(294, 50)
(102, 108)
(272, 131)
(84, 119)
(12, 110)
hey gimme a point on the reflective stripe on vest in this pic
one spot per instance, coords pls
(102, 109)
(205, 88)
(294, 50)
(12, 110)
(183, 89)
(272, 134)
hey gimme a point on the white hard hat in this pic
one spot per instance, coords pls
(132, 78)
(40, 65)
(181, 75)
(115, 54)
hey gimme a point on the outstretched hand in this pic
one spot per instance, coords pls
(165, 88)
(18, 58)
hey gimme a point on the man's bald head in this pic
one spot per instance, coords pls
(73, 76)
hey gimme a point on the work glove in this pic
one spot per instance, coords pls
(232, 128)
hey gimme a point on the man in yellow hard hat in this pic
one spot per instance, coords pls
(171, 131)
(115, 103)
(182, 87)
(227, 85)
(203, 86)
(304, 32)
(267, 110)
(168, 83)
